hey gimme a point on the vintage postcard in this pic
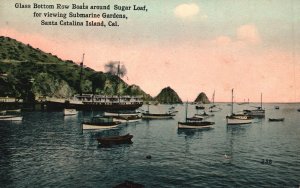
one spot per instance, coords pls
(136, 93)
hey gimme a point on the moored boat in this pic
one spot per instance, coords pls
(90, 102)
(115, 139)
(166, 115)
(276, 119)
(129, 184)
(194, 122)
(204, 115)
(214, 107)
(258, 112)
(119, 114)
(100, 122)
(14, 110)
(276, 107)
(237, 119)
(127, 119)
(157, 116)
(200, 107)
(10, 118)
(70, 112)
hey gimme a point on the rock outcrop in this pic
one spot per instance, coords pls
(168, 96)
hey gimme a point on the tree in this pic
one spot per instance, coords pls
(98, 81)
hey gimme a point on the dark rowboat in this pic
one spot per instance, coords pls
(125, 139)
(276, 119)
(200, 107)
(129, 184)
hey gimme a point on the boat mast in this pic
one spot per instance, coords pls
(80, 76)
(118, 74)
(261, 100)
(232, 101)
(186, 110)
(213, 97)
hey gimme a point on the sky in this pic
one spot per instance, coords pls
(192, 46)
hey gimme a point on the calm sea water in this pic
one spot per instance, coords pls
(50, 150)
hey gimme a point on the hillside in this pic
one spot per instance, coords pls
(202, 98)
(168, 96)
(28, 73)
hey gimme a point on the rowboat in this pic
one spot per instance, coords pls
(167, 115)
(157, 116)
(200, 107)
(115, 114)
(238, 119)
(129, 184)
(125, 139)
(129, 119)
(204, 115)
(276, 119)
(70, 112)
(100, 122)
(14, 110)
(10, 118)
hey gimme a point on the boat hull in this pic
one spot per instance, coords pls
(11, 118)
(195, 125)
(91, 126)
(255, 113)
(126, 120)
(115, 140)
(276, 119)
(70, 112)
(237, 121)
(111, 114)
(157, 116)
(58, 106)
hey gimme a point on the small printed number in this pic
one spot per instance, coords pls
(266, 161)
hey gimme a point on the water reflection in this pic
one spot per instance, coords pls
(190, 133)
(5, 155)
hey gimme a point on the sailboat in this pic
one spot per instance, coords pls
(213, 107)
(237, 119)
(213, 101)
(148, 115)
(194, 122)
(258, 112)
